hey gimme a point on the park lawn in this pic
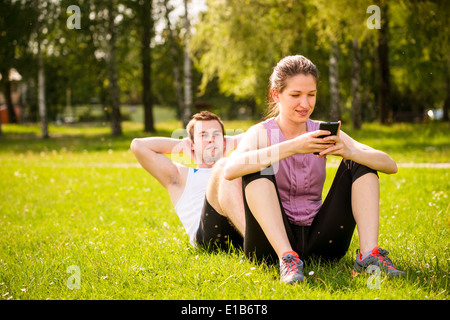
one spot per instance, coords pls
(405, 143)
(79, 200)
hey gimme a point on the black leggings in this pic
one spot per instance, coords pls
(329, 235)
(216, 231)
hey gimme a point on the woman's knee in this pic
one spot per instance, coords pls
(259, 187)
(358, 170)
(263, 175)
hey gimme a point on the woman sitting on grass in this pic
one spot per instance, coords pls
(282, 182)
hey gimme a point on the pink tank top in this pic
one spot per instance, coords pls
(300, 178)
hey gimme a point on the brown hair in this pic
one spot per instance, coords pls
(286, 68)
(202, 116)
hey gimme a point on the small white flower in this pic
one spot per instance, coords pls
(311, 273)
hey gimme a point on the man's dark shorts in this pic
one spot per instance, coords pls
(216, 231)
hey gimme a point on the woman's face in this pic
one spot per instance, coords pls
(297, 100)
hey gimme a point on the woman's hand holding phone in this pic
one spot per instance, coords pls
(311, 142)
(333, 128)
(337, 145)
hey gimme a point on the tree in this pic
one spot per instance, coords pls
(14, 35)
(329, 22)
(384, 94)
(186, 115)
(116, 117)
(335, 110)
(230, 45)
(446, 107)
(356, 82)
(174, 56)
(237, 44)
(341, 28)
(41, 72)
(146, 36)
(419, 56)
(104, 33)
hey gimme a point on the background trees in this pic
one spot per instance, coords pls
(219, 56)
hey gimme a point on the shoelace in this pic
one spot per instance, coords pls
(290, 263)
(382, 257)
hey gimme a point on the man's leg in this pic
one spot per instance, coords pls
(223, 219)
(226, 196)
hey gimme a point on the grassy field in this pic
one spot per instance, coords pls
(78, 199)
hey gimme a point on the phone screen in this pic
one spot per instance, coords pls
(329, 126)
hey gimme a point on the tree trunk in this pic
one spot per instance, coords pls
(384, 92)
(116, 117)
(356, 83)
(174, 54)
(335, 113)
(447, 97)
(41, 78)
(187, 70)
(69, 107)
(147, 97)
(41, 93)
(7, 90)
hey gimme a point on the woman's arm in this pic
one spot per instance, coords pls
(350, 149)
(255, 153)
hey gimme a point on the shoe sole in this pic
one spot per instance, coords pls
(298, 278)
(358, 270)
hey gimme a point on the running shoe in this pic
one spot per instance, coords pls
(379, 258)
(291, 268)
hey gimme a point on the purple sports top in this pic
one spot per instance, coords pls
(300, 178)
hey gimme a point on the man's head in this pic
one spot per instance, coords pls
(206, 133)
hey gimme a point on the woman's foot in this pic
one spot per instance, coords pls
(378, 257)
(291, 268)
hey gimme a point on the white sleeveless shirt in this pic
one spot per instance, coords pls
(189, 206)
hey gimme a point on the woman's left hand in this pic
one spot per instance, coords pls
(344, 146)
(338, 146)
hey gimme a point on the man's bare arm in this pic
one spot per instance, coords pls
(150, 153)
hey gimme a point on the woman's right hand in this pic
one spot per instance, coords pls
(310, 142)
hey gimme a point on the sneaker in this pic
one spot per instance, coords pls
(291, 268)
(379, 258)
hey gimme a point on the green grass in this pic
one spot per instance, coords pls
(70, 201)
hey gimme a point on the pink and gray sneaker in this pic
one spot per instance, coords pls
(379, 258)
(291, 268)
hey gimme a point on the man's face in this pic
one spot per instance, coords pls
(208, 143)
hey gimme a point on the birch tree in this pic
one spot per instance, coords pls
(187, 69)
(174, 56)
(40, 70)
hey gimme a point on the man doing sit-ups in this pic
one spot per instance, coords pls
(218, 219)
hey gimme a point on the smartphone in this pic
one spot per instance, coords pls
(333, 127)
